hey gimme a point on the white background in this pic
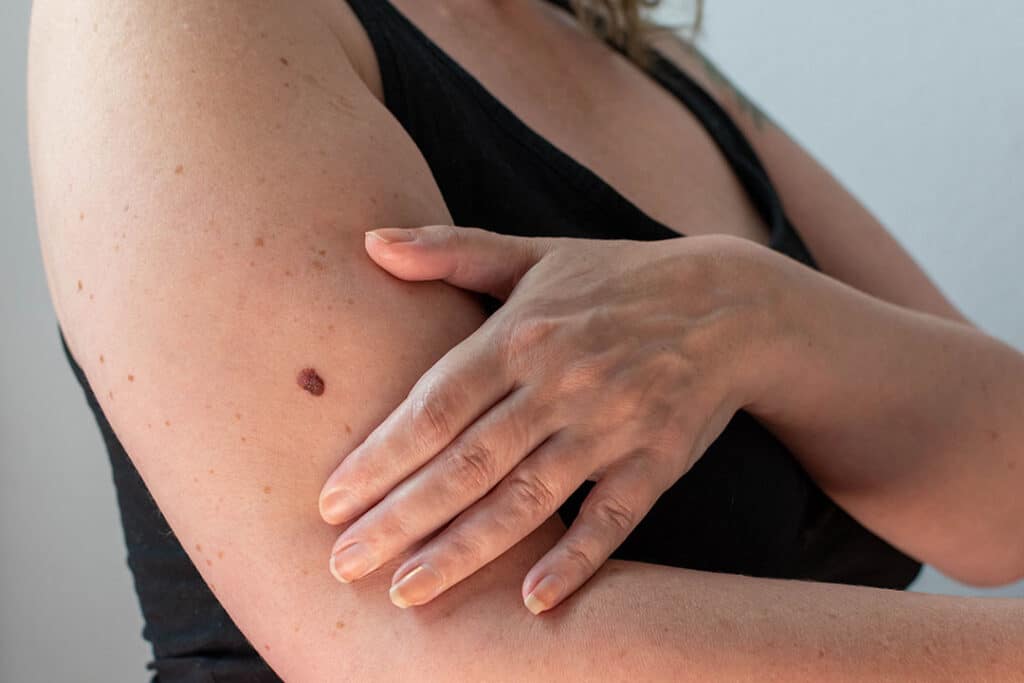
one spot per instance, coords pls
(916, 106)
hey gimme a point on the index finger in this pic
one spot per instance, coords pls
(460, 387)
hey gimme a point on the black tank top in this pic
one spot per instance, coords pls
(746, 507)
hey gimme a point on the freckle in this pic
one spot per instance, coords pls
(110, 394)
(131, 378)
(210, 471)
(266, 490)
(318, 265)
(199, 548)
(195, 480)
(234, 244)
(284, 61)
(350, 301)
(209, 563)
(266, 646)
(296, 629)
(167, 423)
(348, 429)
(81, 216)
(243, 439)
(322, 252)
(117, 247)
(287, 84)
(149, 425)
(330, 328)
(92, 297)
(101, 359)
(220, 555)
(126, 208)
(238, 416)
(309, 380)
(252, 264)
(259, 241)
(305, 572)
(339, 625)
(179, 169)
(79, 285)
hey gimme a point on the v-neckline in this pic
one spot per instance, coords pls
(587, 181)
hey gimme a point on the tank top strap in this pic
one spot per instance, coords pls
(380, 22)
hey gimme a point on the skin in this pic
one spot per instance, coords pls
(238, 206)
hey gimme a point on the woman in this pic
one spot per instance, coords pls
(745, 412)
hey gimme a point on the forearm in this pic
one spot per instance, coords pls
(910, 421)
(637, 621)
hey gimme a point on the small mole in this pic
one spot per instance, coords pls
(243, 439)
(339, 625)
(167, 423)
(101, 359)
(309, 380)
(266, 490)
(199, 548)
(131, 378)
(238, 416)
(350, 301)
(220, 555)
(210, 471)
(287, 84)
(259, 241)
(348, 429)
(318, 265)
(209, 563)
(81, 216)
(322, 252)
(284, 61)
(287, 273)
(79, 285)
(179, 169)
(266, 646)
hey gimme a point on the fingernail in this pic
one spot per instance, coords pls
(352, 563)
(393, 234)
(336, 507)
(418, 586)
(545, 594)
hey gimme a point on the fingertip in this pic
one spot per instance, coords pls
(546, 594)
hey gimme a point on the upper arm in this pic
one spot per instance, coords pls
(204, 173)
(847, 241)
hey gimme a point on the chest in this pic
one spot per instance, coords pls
(592, 104)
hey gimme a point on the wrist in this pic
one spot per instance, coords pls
(775, 295)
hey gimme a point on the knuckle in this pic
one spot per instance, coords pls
(471, 467)
(431, 414)
(531, 495)
(574, 555)
(523, 336)
(612, 513)
(462, 548)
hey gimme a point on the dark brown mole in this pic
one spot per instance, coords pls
(284, 61)
(79, 285)
(309, 380)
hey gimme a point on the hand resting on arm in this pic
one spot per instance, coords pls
(204, 174)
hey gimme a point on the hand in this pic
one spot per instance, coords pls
(616, 361)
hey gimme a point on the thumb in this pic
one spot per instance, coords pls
(470, 258)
